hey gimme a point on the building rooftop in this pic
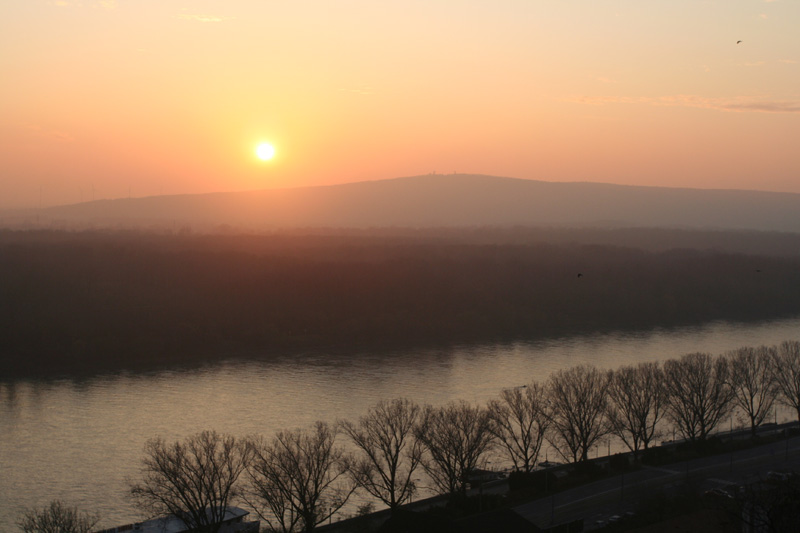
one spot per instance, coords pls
(233, 522)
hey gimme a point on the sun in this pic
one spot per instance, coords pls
(265, 151)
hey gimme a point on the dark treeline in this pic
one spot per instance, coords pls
(299, 240)
(124, 299)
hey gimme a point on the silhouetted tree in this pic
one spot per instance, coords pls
(751, 381)
(388, 452)
(57, 517)
(786, 374)
(455, 437)
(698, 395)
(637, 403)
(520, 419)
(578, 398)
(298, 480)
(195, 479)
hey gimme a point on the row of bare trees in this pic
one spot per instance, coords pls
(694, 393)
(701, 390)
(301, 478)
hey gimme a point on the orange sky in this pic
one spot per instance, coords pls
(107, 99)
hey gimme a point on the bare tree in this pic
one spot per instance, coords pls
(698, 396)
(751, 381)
(389, 453)
(786, 374)
(637, 403)
(520, 419)
(456, 437)
(194, 480)
(578, 399)
(57, 517)
(298, 479)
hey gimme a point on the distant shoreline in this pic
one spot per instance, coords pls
(104, 301)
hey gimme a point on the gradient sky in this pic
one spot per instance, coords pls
(113, 98)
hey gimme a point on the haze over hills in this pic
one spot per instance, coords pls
(444, 201)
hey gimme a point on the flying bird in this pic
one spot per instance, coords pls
(737, 42)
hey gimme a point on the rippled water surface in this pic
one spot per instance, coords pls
(81, 440)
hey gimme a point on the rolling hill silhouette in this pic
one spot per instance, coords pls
(449, 201)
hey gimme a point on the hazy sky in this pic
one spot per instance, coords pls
(143, 97)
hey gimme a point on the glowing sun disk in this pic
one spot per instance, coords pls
(265, 151)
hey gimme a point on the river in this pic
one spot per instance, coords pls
(81, 440)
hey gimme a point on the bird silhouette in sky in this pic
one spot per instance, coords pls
(737, 42)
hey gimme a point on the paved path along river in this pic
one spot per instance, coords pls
(618, 494)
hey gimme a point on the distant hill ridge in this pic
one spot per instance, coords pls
(451, 200)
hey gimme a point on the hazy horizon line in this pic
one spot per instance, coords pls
(381, 180)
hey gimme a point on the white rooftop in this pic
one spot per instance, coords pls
(233, 520)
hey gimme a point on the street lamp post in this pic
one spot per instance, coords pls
(730, 443)
(786, 434)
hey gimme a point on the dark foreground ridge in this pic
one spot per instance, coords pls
(100, 300)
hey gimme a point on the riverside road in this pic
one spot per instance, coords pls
(597, 501)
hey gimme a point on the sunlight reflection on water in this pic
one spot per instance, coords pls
(80, 440)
